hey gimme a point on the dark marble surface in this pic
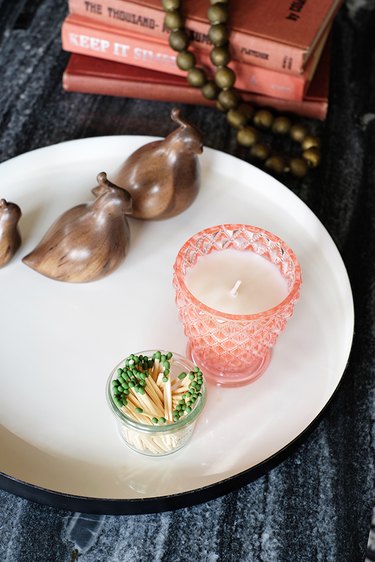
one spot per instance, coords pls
(317, 504)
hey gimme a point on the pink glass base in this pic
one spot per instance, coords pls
(216, 376)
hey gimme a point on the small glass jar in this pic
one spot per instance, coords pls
(162, 438)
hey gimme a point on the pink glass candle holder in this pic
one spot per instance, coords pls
(235, 348)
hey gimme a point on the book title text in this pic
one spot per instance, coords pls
(121, 15)
(295, 9)
(120, 50)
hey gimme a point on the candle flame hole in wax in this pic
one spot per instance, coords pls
(236, 282)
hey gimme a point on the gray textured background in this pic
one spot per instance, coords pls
(315, 506)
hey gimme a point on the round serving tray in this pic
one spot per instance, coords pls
(59, 341)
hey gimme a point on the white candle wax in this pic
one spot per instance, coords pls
(236, 282)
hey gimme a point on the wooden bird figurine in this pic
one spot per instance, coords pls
(163, 177)
(10, 238)
(88, 241)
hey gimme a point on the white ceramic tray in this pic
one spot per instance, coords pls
(59, 341)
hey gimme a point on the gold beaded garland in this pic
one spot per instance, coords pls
(260, 151)
(298, 167)
(312, 156)
(247, 136)
(210, 90)
(281, 125)
(218, 34)
(263, 119)
(179, 40)
(225, 77)
(220, 56)
(197, 77)
(174, 20)
(310, 141)
(241, 116)
(298, 132)
(236, 118)
(275, 164)
(218, 13)
(228, 98)
(185, 60)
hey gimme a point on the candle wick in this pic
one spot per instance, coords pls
(234, 289)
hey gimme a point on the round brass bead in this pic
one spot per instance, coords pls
(312, 157)
(210, 91)
(179, 40)
(220, 107)
(218, 13)
(220, 56)
(247, 109)
(236, 118)
(171, 5)
(185, 60)
(225, 77)
(228, 98)
(298, 167)
(173, 21)
(281, 125)
(260, 151)
(298, 132)
(247, 136)
(218, 34)
(196, 77)
(310, 141)
(263, 119)
(275, 164)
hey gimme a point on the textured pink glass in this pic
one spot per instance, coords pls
(233, 349)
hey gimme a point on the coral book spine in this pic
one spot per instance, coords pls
(273, 49)
(91, 75)
(82, 36)
(148, 20)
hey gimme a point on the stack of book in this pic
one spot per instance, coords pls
(280, 51)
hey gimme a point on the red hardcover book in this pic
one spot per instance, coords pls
(83, 36)
(278, 35)
(91, 75)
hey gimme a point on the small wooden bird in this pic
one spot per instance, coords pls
(88, 241)
(163, 177)
(10, 238)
